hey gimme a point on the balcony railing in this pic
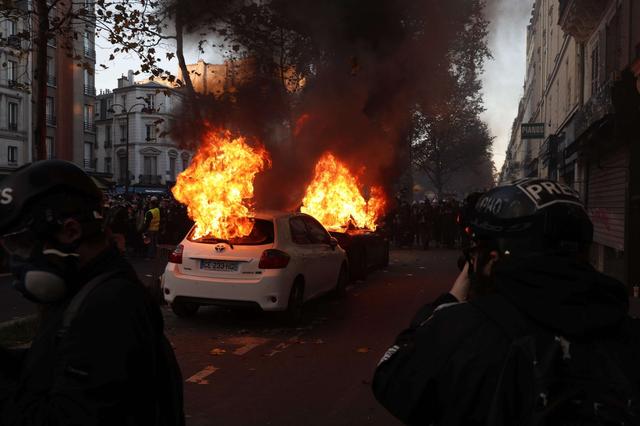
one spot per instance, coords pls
(89, 53)
(150, 179)
(579, 18)
(89, 90)
(52, 80)
(12, 126)
(12, 83)
(90, 164)
(108, 143)
(51, 119)
(14, 41)
(89, 127)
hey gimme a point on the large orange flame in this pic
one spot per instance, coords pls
(334, 197)
(217, 187)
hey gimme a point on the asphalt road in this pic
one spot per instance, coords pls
(246, 368)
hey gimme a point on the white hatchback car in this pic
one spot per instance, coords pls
(287, 259)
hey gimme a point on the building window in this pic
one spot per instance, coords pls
(88, 156)
(151, 101)
(50, 148)
(88, 118)
(107, 164)
(89, 50)
(12, 27)
(12, 73)
(50, 111)
(89, 88)
(185, 162)
(122, 169)
(107, 136)
(172, 168)
(151, 133)
(123, 102)
(595, 67)
(12, 119)
(12, 154)
(123, 133)
(150, 165)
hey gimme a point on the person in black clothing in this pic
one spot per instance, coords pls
(536, 314)
(100, 356)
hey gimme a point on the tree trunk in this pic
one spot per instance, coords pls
(40, 75)
(192, 137)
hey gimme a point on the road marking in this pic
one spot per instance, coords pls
(280, 347)
(199, 377)
(247, 344)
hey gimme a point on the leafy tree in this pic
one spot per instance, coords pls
(448, 134)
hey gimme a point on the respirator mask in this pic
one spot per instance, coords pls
(42, 275)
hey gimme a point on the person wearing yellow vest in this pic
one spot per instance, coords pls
(152, 226)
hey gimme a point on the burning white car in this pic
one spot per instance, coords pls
(286, 259)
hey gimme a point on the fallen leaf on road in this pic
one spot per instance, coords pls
(363, 350)
(218, 351)
(409, 275)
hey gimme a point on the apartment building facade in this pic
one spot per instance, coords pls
(15, 97)
(133, 125)
(70, 92)
(581, 86)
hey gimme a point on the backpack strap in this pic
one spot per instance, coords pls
(506, 316)
(78, 300)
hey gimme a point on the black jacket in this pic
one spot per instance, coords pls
(105, 371)
(444, 369)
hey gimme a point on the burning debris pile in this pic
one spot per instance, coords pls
(217, 188)
(334, 197)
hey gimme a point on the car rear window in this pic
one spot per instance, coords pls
(262, 233)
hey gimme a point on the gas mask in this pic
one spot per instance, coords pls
(42, 275)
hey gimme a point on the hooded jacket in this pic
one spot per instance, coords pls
(111, 367)
(444, 368)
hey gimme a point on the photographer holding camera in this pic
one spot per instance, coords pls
(530, 333)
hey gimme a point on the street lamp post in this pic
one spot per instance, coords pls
(127, 112)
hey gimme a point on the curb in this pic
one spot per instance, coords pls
(17, 321)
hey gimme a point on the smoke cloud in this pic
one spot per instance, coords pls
(369, 63)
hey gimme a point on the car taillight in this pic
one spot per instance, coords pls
(176, 255)
(274, 259)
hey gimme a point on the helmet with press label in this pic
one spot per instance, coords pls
(532, 214)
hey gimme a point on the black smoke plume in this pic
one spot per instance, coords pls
(367, 66)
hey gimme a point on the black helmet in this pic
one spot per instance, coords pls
(44, 191)
(532, 214)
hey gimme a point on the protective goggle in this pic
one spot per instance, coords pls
(19, 243)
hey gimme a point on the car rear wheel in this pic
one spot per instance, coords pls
(343, 280)
(184, 309)
(293, 314)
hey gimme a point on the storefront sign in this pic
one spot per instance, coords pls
(532, 131)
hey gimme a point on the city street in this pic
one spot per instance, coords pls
(245, 368)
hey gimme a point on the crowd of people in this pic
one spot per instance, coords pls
(425, 224)
(140, 223)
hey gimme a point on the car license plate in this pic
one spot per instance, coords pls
(218, 265)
